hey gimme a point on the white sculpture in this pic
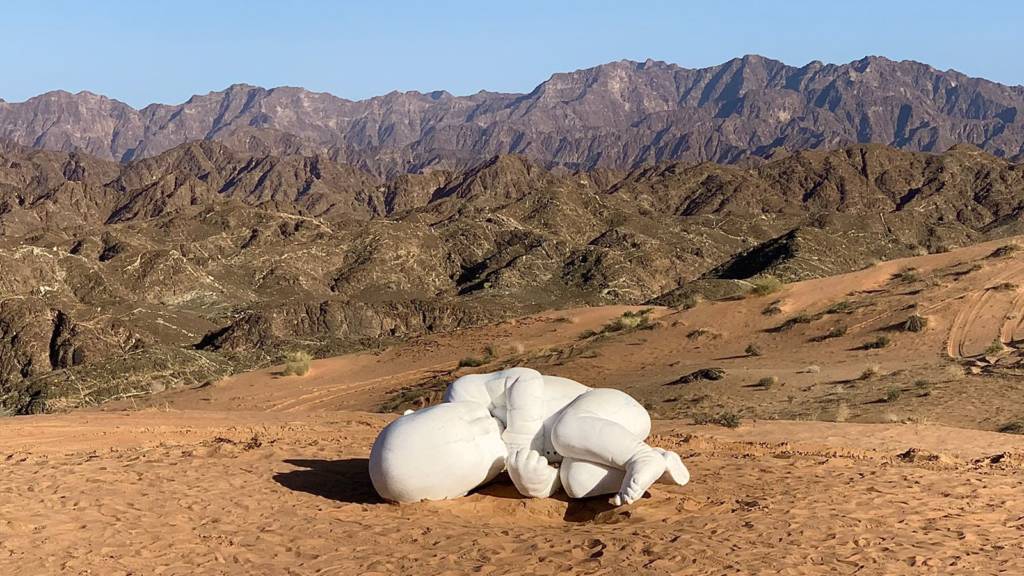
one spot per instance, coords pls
(522, 421)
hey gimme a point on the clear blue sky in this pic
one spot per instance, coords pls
(164, 51)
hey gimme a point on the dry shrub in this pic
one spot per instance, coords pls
(916, 323)
(297, 363)
(727, 419)
(842, 412)
(765, 285)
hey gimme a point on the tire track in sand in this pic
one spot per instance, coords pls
(965, 324)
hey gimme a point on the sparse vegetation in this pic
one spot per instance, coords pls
(1014, 427)
(798, 319)
(686, 301)
(765, 285)
(490, 353)
(1005, 250)
(907, 275)
(1004, 287)
(916, 323)
(870, 372)
(417, 396)
(773, 309)
(472, 362)
(969, 270)
(876, 344)
(297, 363)
(833, 332)
(767, 382)
(753, 350)
(996, 347)
(842, 412)
(701, 374)
(841, 307)
(630, 320)
(700, 333)
(893, 394)
(727, 419)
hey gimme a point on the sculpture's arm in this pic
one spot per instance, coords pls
(532, 475)
(524, 398)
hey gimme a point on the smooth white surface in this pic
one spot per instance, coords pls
(437, 453)
(525, 421)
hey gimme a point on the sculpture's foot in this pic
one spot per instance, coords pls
(642, 470)
(675, 470)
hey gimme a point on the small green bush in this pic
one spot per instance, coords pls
(297, 363)
(727, 419)
(630, 320)
(916, 323)
(833, 332)
(996, 347)
(1015, 427)
(791, 322)
(686, 301)
(765, 285)
(893, 394)
(471, 362)
(841, 307)
(877, 343)
(870, 372)
(907, 275)
(699, 333)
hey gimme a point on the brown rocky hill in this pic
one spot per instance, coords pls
(176, 269)
(619, 115)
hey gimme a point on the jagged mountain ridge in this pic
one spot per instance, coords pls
(619, 115)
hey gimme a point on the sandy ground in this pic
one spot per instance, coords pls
(266, 474)
(190, 492)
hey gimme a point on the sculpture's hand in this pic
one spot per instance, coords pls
(532, 474)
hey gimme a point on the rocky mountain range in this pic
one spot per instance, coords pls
(620, 115)
(123, 278)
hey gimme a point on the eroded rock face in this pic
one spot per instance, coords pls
(203, 260)
(618, 115)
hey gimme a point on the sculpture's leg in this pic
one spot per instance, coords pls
(608, 427)
(583, 479)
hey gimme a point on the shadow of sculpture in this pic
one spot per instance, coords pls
(596, 509)
(340, 480)
(349, 481)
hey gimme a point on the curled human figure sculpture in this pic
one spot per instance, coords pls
(547, 432)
